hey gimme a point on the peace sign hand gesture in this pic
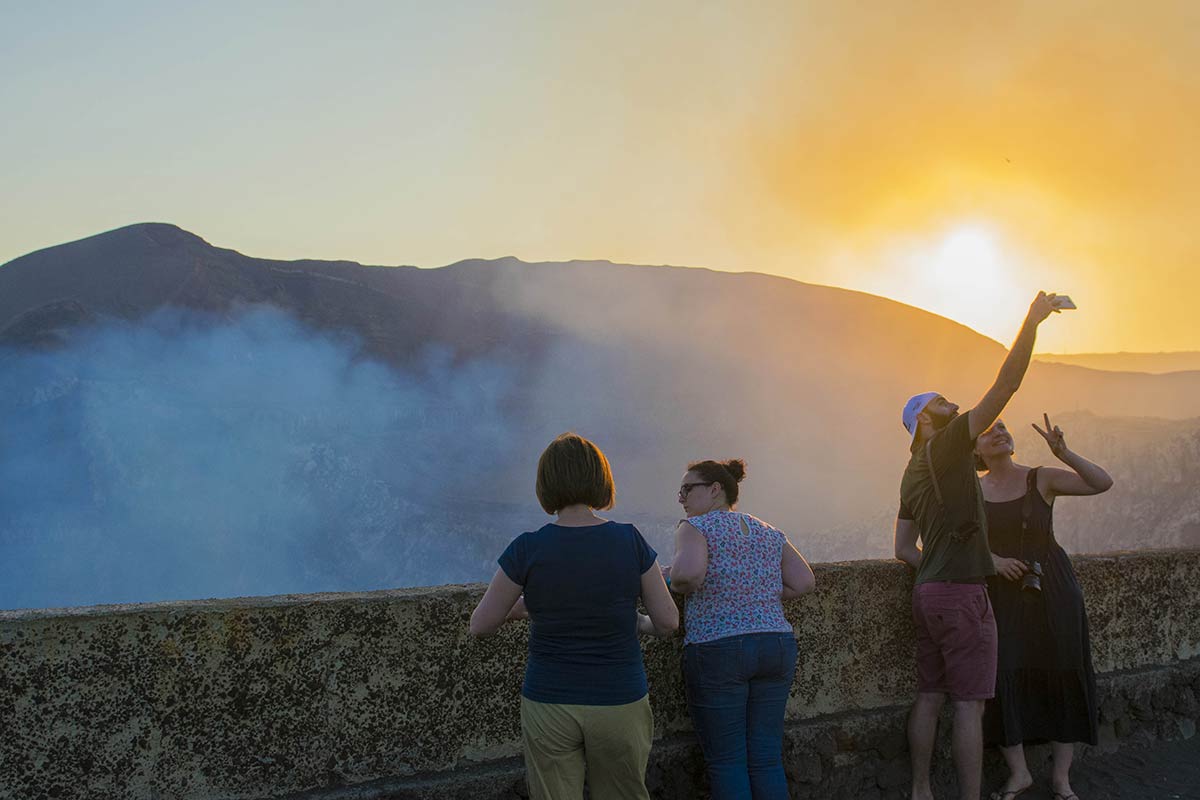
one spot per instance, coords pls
(1053, 436)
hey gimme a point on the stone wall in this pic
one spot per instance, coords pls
(384, 694)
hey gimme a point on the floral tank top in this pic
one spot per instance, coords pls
(743, 585)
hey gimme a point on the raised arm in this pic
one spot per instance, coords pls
(1012, 372)
(691, 559)
(1084, 478)
(906, 542)
(662, 617)
(798, 576)
(497, 605)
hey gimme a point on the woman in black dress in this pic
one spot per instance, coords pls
(1045, 687)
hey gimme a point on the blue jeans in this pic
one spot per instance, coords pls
(737, 690)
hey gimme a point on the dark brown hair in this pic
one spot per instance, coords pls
(574, 470)
(727, 473)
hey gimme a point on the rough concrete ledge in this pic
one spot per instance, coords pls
(847, 756)
(266, 697)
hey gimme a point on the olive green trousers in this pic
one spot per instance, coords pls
(611, 744)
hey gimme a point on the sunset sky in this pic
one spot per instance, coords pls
(955, 156)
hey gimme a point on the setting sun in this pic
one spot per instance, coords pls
(969, 278)
(968, 255)
(966, 271)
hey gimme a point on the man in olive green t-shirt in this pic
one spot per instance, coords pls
(953, 526)
(941, 505)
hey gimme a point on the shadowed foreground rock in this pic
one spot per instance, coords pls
(383, 695)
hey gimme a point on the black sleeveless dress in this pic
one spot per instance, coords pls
(1045, 685)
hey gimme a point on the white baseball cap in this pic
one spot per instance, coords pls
(915, 405)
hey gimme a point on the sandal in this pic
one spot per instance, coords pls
(1013, 795)
(1071, 796)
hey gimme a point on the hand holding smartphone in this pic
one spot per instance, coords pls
(1062, 303)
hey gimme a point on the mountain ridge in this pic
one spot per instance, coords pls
(169, 235)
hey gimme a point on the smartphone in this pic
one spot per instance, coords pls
(1062, 303)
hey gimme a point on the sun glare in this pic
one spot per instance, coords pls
(965, 272)
(968, 255)
(966, 275)
(966, 268)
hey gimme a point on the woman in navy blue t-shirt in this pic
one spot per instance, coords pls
(584, 706)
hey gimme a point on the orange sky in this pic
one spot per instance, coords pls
(954, 156)
(1064, 140)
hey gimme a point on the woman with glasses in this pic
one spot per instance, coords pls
(739, 652)
(584, 706)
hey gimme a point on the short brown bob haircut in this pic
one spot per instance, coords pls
(573, 470)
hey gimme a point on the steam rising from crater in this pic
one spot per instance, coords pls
(187, 456)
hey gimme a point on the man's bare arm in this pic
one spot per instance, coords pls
(1012, 372)
(906, 542)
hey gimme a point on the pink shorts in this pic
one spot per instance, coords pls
(956, 640)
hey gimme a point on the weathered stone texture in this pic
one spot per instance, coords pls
(259, 697)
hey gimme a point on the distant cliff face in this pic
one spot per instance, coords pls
(181, 420)
(1155, 501)
(1157, 363)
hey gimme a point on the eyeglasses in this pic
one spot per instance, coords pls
(686, 488)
